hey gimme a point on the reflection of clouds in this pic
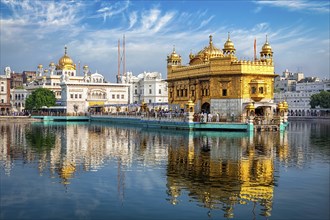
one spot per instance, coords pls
(83, 208)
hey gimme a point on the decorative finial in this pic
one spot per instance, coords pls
(266, 38)
(65, 48)
(228, 35)
(210, 39)
(173, 48)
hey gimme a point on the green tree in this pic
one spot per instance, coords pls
(321, 99)
(40, 97)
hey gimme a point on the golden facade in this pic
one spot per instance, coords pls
(218, 82)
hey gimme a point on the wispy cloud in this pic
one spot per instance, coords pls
(109, 9)
(45, 13)
(132, 19)
(257, 9)
(298, 5)
(43, 27)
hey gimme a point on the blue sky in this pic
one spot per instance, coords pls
(35, 32)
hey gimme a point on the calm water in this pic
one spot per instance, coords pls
(104, 171)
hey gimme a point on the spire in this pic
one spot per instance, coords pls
(228, 35)
(65, 48)
(173, 48)
(210, 40)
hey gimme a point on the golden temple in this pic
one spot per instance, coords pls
(217, 82)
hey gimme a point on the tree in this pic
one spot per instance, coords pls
(40, 97)
(321, 99)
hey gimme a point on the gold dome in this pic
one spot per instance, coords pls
(266, 48)
(250, 106)
(40, 66)
(210, 51)
(52, 64)
(174, 54)
(285, 104)
(174, 58)
(65, 62)
(204, 55)
(229, 45)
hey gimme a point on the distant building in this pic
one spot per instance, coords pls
(17, 99)
(29, 76)
(286, 81)
(16, 80)
(5, 106)
(298, 94)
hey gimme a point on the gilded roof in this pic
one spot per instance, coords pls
(206, 53)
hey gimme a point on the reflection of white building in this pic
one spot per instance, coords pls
(147, 87)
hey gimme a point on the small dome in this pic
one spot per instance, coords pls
(40, 66)
(229, 45)
(285, 104)
(250, 106)
(191, 55)
(174, 58)
(266, 48)
(52, 64)
(174, 54)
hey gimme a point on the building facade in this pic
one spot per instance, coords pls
(16, 80)
(217, 82)
(5, 106)
(92, 94)
(147, 87)
(17, 99)
(299, 99)
(76, 94)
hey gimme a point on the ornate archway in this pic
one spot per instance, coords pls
(206, 107)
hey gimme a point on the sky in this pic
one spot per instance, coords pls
(35, 32)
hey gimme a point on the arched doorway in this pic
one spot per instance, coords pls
(259, 111)
(206, 107)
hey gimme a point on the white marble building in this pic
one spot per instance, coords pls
(148, 87)
(17, 99)
(78, 94)
(5, 106)
(299, 99)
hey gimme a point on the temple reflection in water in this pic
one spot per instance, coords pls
(234, 171)
(216, 170)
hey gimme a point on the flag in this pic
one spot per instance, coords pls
(255, 49)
